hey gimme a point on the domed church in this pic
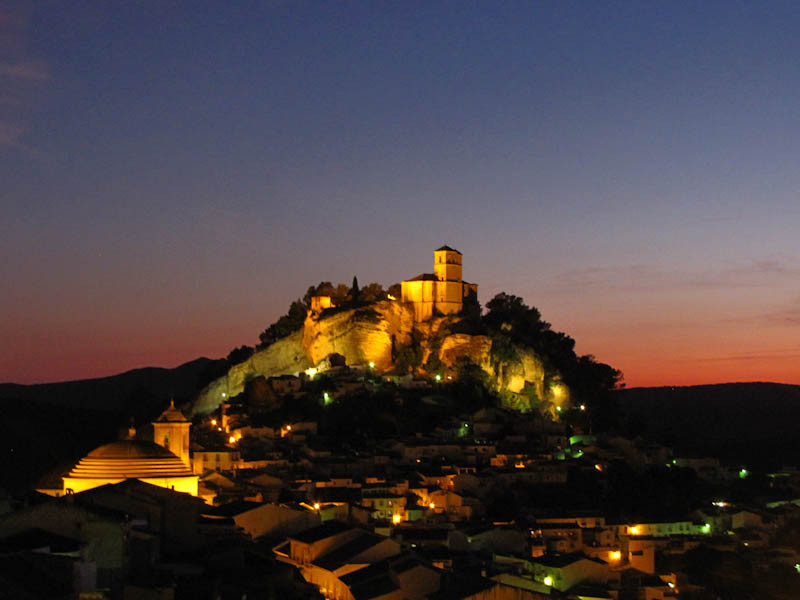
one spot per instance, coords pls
(139, 459)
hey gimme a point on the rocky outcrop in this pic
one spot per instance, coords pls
(362, 335)
(372, 334)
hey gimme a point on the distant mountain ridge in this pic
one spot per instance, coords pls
(48, 425)
(120, 391)
(754, 423)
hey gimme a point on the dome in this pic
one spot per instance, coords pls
(130, 449)
(128, 459)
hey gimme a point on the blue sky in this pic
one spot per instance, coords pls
(174, 174)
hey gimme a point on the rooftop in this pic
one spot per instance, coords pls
(326, 530)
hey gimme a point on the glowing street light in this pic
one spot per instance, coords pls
(438, 377)
(231, 440)
(371, 365)
(316, 505)
(396, 519)
(548, 581)
(213, 422)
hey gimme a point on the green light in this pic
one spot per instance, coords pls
(326, 398)
(706, 528)
(674, 461)
(797, 567)
(743, 473)
(548, 581)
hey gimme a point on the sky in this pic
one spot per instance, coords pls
(174, 174)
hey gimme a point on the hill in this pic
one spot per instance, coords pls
(749, 423)
(51, 424)
(132, 389)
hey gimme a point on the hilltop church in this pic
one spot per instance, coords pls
(442, 291)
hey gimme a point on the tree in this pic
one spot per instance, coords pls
(354, 291)
(511, 322)
(240, 354)
(323, 288)
(286, 325)
(372, 292)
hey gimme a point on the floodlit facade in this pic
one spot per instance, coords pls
(442, 291)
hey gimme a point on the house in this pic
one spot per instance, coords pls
(273, 520)
(564, 571)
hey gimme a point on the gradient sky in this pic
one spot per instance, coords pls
(173, 174)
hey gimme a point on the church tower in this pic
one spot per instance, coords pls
(440, 292)
(447, 264)
(171, 430)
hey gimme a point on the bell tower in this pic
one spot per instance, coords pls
(447, 264)
(171, 430)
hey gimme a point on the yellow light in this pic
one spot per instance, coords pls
(316, 505)
(390, 297)
(633, 530)
(311, 371)
(371, 365)
(396, 519)
(558, 408)
(615, 555)
(583, 407)
(214, 422)
(438, 378)
(548, 580)
(232, 440)
(432, 505)
(288, 428)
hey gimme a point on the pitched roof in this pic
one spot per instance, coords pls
(344, 554)
(320, 532)
(424, 277)
(448, 249)
(561, 560)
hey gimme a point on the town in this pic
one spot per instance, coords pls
(355, 480)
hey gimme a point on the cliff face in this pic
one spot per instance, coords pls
(372, 334)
